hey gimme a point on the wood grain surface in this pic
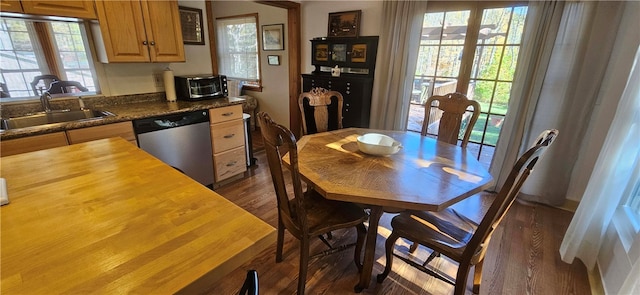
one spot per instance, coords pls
(424, 175)
(523, 257)
(105, 217)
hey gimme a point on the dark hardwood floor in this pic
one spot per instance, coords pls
(523, 256)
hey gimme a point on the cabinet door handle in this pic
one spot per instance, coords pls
(232, 163)
(230, 135)
(145, 42)
(153, 43)
(227, 114)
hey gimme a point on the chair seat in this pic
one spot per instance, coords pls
(325, 215)
(446, 230)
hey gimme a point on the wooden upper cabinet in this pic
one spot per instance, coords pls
(141, 31)
(122, 28)
(79, 9)
(164, 32)
(10, 6)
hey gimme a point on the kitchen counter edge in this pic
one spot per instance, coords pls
(125, 112)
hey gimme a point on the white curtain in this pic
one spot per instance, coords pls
(617, 161)
(397, 54)
(556, 87)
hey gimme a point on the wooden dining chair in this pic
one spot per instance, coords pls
(454, 235)
(41, 83)
(66, 87)
(305, 215)
(454, 107)
(321, 110)
(453, 112)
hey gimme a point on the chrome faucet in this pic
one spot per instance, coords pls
(44, 100)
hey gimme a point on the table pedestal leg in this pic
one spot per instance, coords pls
(369, 249)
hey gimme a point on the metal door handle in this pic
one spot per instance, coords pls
(227, 114)
(153, 43)
(144, 42)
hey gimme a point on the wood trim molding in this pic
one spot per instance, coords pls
(293, 24)
(213, 51)
(293, 46)
(49, 52)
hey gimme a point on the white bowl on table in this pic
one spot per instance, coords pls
(378, 144)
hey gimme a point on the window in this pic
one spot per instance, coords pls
(632, 207)
(472, 48)
(238, 51)
(32, 48)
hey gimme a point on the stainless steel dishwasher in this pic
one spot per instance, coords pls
(182, 141)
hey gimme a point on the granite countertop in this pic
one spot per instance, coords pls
(125, 108)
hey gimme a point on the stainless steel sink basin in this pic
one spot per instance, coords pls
(53, 117)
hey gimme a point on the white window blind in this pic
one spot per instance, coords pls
(237, 42)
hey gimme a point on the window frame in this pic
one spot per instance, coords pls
(248, 85)
(42, 38)
(465, 74)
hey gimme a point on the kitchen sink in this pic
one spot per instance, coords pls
(53, 117)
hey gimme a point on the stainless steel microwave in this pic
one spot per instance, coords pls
(200, 87)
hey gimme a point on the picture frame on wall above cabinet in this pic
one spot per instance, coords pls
(273, 37)
(273, 60)
(192, 25)
(344, 24)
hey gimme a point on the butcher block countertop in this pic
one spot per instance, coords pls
(105, 217)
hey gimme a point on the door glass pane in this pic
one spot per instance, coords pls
(339, 52)
(501, 98)
(482, 92)
(508, 67)
(455, 27)
(517, 25)
(487, 62)
(449, 61)
(493, 130)
(495, 24)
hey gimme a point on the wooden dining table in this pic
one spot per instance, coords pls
(425, 174)
(105, 217)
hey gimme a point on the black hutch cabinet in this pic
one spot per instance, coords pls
(356, 58)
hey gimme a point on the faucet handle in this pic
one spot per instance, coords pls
(81, 102)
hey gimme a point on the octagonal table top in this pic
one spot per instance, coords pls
(424, 175)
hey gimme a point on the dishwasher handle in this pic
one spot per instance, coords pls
(169, 121)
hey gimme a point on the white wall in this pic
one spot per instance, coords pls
(274, 98)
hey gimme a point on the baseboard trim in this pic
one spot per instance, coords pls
(569, 205)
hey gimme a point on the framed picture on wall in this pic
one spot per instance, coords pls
(273, 37)
(344, 24)
(273, 60)
(192, 26)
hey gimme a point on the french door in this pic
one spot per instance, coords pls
(472, 48)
